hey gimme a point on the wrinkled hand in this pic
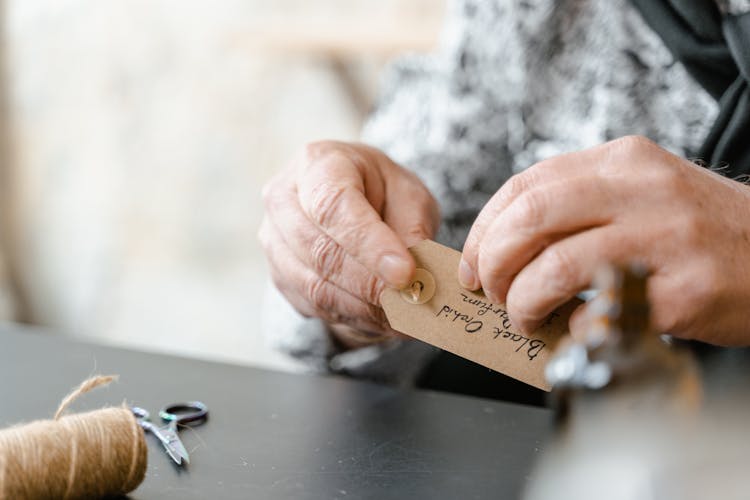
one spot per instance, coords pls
(336, 229)
(541, 237)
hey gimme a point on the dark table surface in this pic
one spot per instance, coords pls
(277, 435)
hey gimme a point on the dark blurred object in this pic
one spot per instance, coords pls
(632, 419)
(621, 354)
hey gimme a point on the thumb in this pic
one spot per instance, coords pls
(332, 193)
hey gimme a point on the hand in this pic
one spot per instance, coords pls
(336, 229)
(538, 241)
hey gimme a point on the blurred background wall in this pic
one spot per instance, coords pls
(136, 136)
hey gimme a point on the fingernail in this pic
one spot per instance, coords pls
(466, 276)
(395, 270)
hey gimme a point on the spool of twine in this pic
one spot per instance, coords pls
(84, 455)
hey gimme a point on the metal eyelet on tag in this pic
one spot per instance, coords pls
(421, 289)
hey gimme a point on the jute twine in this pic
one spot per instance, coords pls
(84, 455)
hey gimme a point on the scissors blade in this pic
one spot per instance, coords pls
(173, 444)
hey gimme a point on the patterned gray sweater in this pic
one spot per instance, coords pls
(513, 82)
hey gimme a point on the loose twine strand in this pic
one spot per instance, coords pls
(84, 455)
(86, 386)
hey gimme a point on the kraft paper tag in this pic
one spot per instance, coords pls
(438, 310)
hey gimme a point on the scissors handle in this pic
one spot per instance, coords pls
(183, 413)
(143, 417)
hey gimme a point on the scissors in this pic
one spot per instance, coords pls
(175, 415)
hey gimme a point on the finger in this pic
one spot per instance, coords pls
(536, 219)
(587, 163)
(332, 194)
(312, 296)
(317, 250)
(410, 211)
(563, 270)
(578, 322)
